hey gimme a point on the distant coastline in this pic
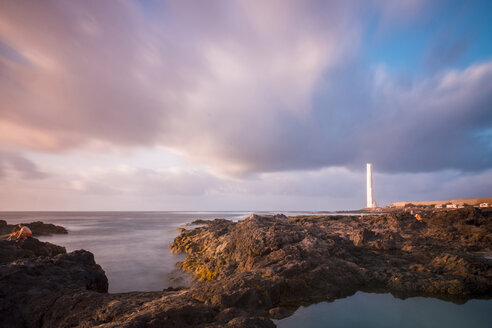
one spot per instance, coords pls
(459, 201)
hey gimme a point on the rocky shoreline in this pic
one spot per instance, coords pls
(38, 228)
(257, 269)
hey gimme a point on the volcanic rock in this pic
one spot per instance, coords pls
(34, 275)
(38, 228)
(266, 263)
(263, 267)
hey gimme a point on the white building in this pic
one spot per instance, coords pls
(484, 205)
(451, 206)
(371, 201)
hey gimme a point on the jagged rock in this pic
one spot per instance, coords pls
(362, 237)
(38, 228)
(39, 276)
(264, 263)
(260, 268)
(28, 248)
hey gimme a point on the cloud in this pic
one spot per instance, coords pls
(430, 125)
(143, 182)
(14, 162)
(241, 87)
(191, 188)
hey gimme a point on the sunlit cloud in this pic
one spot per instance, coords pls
(278, 97)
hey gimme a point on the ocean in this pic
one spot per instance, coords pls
(131, 247)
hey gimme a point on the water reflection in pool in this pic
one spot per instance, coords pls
(383, 310)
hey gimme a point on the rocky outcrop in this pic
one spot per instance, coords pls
(35, 275)
(251, 271)
(271, 264)
(38, 228)
(29, 248)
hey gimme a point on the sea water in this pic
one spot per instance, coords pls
(371, 310)
(131, 247)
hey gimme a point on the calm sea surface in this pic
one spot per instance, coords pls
(132, 248)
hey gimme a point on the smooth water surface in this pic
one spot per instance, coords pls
(131, 247)
(384, 311)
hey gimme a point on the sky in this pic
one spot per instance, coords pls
(243, 105)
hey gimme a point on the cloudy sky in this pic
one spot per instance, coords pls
(242, 105)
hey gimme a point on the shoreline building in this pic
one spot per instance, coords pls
(371, 201)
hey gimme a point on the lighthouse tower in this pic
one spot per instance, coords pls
(371, 202)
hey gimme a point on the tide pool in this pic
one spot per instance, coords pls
(383, 310)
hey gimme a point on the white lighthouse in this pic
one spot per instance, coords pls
(371, 202)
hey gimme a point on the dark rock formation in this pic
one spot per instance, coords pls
(38, 228)
(34, 275)
(29, 248)
(270, 265)
(260, 268)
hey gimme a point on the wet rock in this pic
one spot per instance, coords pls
(38, 228)
(252, 322)
(266, 263)
(362, 237)
(260, 268)
(279, 313)
(28, 248)
(39, 276)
